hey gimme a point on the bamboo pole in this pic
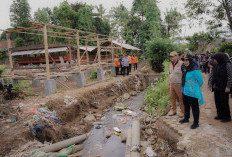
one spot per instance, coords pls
(46, 52)
(98, 52)
(87, 52)
(9, 46)
(112, 50)
(121, 46)
(70, 51)
(24, 29)
(78, 51)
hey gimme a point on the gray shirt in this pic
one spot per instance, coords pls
(125, 61)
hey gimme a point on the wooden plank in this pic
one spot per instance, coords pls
(70, 51)
(78, 51)
(98, 52)
(46, 52)
(112, 50)
(24, 29)
(9, 47)
(47, 35)
(87, 52)
(121, 46)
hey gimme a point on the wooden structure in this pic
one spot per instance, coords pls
(72, 36)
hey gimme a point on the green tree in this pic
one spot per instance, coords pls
(20, 13)
(172, 20)
(219, 11)
(43, 15)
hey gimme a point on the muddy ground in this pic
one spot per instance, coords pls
(17, 139)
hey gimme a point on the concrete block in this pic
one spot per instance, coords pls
(36, 83)
(49, 87)
(81, 81)
(100, 74)
(2, 81)
(113, 72)
(61, 78)
(73, 77)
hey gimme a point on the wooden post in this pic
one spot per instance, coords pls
(112, 50)
(70, 51)
(9, 46)
(78, 50)
(121, 46)
(87, 52)
(46, 52)
(98, 51)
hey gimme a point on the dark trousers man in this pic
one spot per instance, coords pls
(222, 105)
(135, 66)
(129, 67)
(126, 70)
(116, 70)
(193, 102)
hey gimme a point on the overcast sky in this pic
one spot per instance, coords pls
(108, 4)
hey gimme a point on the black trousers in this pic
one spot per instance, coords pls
(116, 70)
(121, 71)
(129, 67)
(135, 66)
(222, 104)
(126, 70)
(193, 102)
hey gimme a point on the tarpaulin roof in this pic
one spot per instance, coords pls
(32, 52)
(126, 46)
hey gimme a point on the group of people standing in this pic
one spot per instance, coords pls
(185, 81)
(123, 64)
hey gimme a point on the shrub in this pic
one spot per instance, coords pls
(157, 51)
(226, 47)
(93, 75)
(157, 97)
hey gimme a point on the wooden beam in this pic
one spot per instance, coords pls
(9, 47)
(112, 50)
(78, 51)
(46, 52)
(87, 52)
(70, 51)
(121, 46)
(98, 52)
(24, 29)
(47, 35)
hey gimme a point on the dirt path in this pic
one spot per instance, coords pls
(98, 145)
(212, 138)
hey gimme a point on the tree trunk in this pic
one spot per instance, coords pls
(226, 6)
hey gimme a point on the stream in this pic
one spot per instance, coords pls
(98, 145)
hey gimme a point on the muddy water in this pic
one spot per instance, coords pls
(98, 145)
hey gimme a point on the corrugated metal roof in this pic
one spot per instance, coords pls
(126, 46)
(32, 52)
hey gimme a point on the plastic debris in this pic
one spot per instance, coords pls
(68, 100)
(120, 107)
(109, 135)
(129, 113)
(150, 152)
(117, 129)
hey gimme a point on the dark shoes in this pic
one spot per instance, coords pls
(217, 118)
(183, 121)
(226, 120)
(194, 126)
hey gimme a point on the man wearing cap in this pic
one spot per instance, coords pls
(174, 84)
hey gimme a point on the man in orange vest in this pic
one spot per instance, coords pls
(116, 64)
(130, 61)
(136, 61)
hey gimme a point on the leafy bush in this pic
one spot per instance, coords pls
(226, 47)
(2, 70)
(93, 75)
(157, 97)
(157, 51)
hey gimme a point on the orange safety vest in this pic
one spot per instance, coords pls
(136, 60)
(116, 62)
(130, 60)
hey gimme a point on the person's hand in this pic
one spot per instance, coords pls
(210, 89)
(227, 90)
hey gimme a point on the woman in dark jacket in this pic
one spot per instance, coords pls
(220, 82)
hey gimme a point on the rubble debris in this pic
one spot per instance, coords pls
(129, 113)
(120, 107)
(68, 100)
(89, 118)
(117, 129)
(150, 152)
(126, 96)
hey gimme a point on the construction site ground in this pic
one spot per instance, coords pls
(212, 139)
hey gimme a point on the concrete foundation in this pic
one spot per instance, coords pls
(73, 77)
(2, 81)
(61, 78)
(36, 83)
(112, 69)
(49, 87)
(81, 81)
(100, 74)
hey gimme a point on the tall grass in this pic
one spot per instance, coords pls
(157, 96)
